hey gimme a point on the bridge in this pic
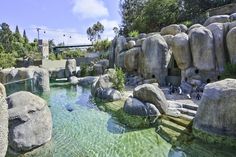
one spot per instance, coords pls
(72, 46)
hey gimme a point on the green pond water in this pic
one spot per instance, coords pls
(80, 129)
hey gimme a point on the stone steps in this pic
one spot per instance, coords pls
(186, 117)
(190, 106)
(175, 127)
(168, 134)
(179, 121)
(188, 112)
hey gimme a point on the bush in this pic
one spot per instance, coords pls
(84, 70)
(7, 60)
(133, 34)
(73, 54)
(119, 79)
(229, 72)
(102, 45)
(52, 56)
(187, 23)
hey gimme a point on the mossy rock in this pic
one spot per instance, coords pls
(116, 109)
(214, 138)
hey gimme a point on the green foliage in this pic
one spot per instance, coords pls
(118, 80)
(84, 70)
(133, 33)
(73, 54)
(7, 60)
(52, 56)
(187, 23)
(229, 71)
(94, 32)
(102, 45)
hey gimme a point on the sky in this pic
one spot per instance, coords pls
(61, 20)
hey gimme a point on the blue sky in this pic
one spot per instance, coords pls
(59, 17)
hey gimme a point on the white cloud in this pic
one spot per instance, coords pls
(67, 35)
(89, 8)
(109, 25)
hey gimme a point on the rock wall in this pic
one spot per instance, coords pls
(40, 76)
(200, 52)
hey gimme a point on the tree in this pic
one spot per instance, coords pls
(130, 11)
(25, 37)
(160, 13)
(51, 45)
(94, 32)
(6, 37)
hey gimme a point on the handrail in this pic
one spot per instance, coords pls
(17, 81)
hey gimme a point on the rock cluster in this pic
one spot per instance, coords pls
(40, 76)
(200, 52)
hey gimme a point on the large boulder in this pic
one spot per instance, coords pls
(57, 73)
(30, 122)
(103, 82)
(112, 52)
(169, 40)
(131, 59)
(121, 59)
(231, 40)
(3, 123)
(153, 94)
(181, 51)
(41, 79)
(217, 19)
(215, 119)
(219, 33)
(108, 94)
(120, 47)
(2, 90)
(70, 68)
(171, 30)
(87, 81)
(133, 106)
(202, 47)
(154, 59)
(194, 26)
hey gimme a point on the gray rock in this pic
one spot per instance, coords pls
(108, 94)
(41, 79)
(3, 123)
(183, 28)
(153, 94)
(140, 42)
(218, 19)
(219, 33)
(131, 44)
(133, 106)
(30, 122)
(142, 35)
(3, 90)
(131, 59)
(120, 47)
(70, 68)
(217, 110)
(87, 81)
(169, 40)
(57, 73)
(154, 59)
(181, 51)
(202, 47)
(231, 40)
(194, 26)
(112, 54)
(232, 17)
(102, 82)
(171, 30)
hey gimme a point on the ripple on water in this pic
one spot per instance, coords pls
(86, 131)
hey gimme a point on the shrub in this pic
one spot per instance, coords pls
(102, 45)
(7, 60)
(133, 34)
(84, 70)
(73, 54)
(52, 56)
(229, 72)
(118, 80)
(188, 23)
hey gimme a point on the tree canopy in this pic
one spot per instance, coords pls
(94, 32)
